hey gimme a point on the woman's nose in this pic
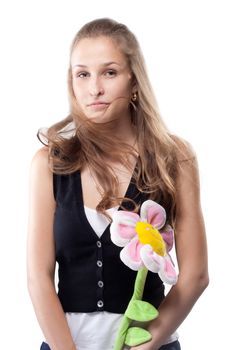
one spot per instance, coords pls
(96, 89)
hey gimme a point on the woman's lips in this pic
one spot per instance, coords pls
(98, 105)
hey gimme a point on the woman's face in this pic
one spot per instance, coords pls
(102, 80)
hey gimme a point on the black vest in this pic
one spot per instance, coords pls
(91, 275)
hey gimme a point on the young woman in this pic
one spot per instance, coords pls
(112, 151)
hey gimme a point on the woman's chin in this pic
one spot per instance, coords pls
(100, 117)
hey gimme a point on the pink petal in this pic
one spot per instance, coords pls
(126, 231)
(122, 229)
(123, 215)
(168, 237)
(153, 213)
(168, 273)
(134, 248)
(116, 239)
(130, 255)
(151, 260)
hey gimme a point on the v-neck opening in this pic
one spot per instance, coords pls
(82, 210)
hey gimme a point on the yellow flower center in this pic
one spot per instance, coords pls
(147, 234)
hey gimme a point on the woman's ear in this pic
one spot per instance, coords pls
(134, 89)
(134, 85)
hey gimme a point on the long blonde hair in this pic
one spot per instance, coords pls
(75, 142)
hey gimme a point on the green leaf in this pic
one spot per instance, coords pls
(136, 336)
(139, 310)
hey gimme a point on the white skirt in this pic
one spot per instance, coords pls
(97, 330)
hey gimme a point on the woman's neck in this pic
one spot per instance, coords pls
(125, 131)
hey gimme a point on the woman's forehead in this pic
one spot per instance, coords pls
(100, 50)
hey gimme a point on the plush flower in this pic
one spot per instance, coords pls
(146, 242)
(145, 239)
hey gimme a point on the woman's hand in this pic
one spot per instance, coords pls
(145, 346)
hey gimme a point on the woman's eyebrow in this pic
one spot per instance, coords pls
(104, 64)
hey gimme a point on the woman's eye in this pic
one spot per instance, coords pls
(81, 75)
(110, 73)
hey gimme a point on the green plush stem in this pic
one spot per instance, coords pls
(137, 295)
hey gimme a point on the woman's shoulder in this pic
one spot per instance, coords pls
(187, 166)
(40, 161)
(183, 149)
(41, 177)
(41, 154)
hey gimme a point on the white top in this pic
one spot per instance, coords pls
(97, 330)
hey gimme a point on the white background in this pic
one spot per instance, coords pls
(188, 50)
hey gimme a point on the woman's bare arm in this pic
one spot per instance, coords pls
(191, 249)
(41, 256)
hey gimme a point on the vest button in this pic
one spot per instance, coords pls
(100, 303)
(99, 263)
(98, 243)
(100, 284)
